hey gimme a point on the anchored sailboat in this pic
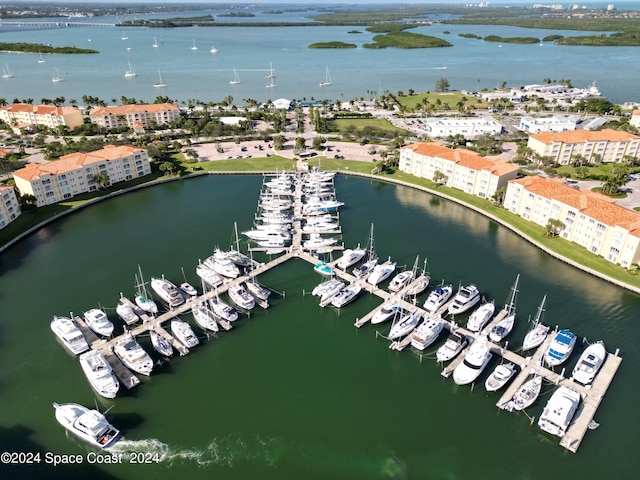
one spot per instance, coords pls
(236, 79)
(6, 73)
(160, 83)
(130, 73)
(327, 78)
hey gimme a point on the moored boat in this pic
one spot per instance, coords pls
(131, 353)
(97, 321)
(504, 326)
(223, 310)
(126, 312)
(257, 290)
(327, 289)
(142, 300)
(466, 298)
(560, 348)
(589, 363)
(500, 376)
(90, 425)
(475, 361)
(323, 269)
(189, 289)
(346, 295)
(401, 280)
(239, 295)
(210, 277)
(527, 393)
(538, 331)
(559, 411)
(381, 272)
(387, 311)
(204, 318)
(69, 334)
(99, 373)
(426, 333)
(454, 344)
(405, 325)
(480, 316)
(184, 333)
(351, 257)
(437, 298)
(160, 344)
(167, 291)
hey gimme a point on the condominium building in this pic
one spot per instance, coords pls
(462, 169)
(134, 115)
(74, 173)
(9, 206)
(21, 115)
(594, 146)
(635, 118)
(590, 219)
(469, 127)
(555, 123)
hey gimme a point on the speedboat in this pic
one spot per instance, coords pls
(189, 289)
(204, 318)
(381, 272)
(257, 290)
(387, 311)
(480, 316)
(466, 298)
(99, 373)
(328, 289)
(323, 269)
(560, 348)
(97, 321)
(503, 328)
(126, 313)
(69, 334)
(90, 425)
(426, 333)
(527, 393)
(538, 331)
(346, 295)
(559, 411)
(183, 332)
(350, 257)
(167, 291)
(210, 277)
(475, 361)
(241, 297)
(500, 376)
(400, 281)
(405, 325)
(452, 347)
(134, 357)
(223, 310)
(589, 363)
(437, 298)
(160, 344)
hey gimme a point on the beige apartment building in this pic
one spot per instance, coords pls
(590, 219)
(595, 146)
(134, 116)
(635, 118)
(74, 173)
(9, 206)
(463, 169)
(23, 115)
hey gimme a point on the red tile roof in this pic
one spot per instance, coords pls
(581, 136)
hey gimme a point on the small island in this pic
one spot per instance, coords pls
(41, 48)
(399, 39)
(332, 45)
(522, 40)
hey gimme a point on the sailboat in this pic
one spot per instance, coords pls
(41, 59)
(327, 78)
(143, 301)
(270, 76)
(194, 47)
(6, 73)
(130, 73)
(538, 331)
(371, 260)
(213, 50)
(56, 78)
(124, 36)
(160, 83)
(504, 326)
(236, 79)
(155, 43)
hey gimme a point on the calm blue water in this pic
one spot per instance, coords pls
(198, 74)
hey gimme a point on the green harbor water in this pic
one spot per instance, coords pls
(297, 391)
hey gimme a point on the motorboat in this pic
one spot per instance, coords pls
(69, 334)
(184, 333)
(273, 245)
(134, 357)
(387, 311)
(475, 361)
(560, 348)
(405, 325)
(97, 321)
(381, 272)
(346, 295)
(350, 257)
(426, 333)
(505, 325)
(538, 331)
(454, 344)
(99, 373)
(328, 289)
(239, 295)
(500, 376)
(480, 316)
(90, 425)
(401, 280)
(260, 235)
(316, 241)
(160, 343)
(257, 290)
(209, 277)
(559, 411)
(526, 394)
(323, 269)
(366, 268)
(466, 298)
(167, 291)
(126, 312)
(223, 310)
(204, 318)
(223, 266)
(189, 289)
(589, 363)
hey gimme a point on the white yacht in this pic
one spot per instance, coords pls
(239, 295)
(189, 289)
(381, 272)
(475, 361)
(222, 266)
(500, 376)
(315, 242)
(99, 373)
(134, 357)
(589, 363)
(210, 277)
(204, 318)
(126, 313)
(560, 348)
(480, 316)
(167, 291)
(223, 310)
(257, 290)
(452, 347)
(90, 425)
(366, 268)
(387, 311)
(426, 333)
(559, 411)
(420, 285)
(466, 298)
(346, 295)
(538, 331)
(401, 280)
(160, 344)
(97, 321)
(527, 393)
(350, 257)
(328, 289)
(405, 325)
(437, 298)
(183, 332)
(69, 334)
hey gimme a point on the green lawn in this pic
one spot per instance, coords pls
(450, 98)
(377, 123)
(256, 164)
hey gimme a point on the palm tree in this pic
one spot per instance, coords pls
(167, 168)
(439, 178)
